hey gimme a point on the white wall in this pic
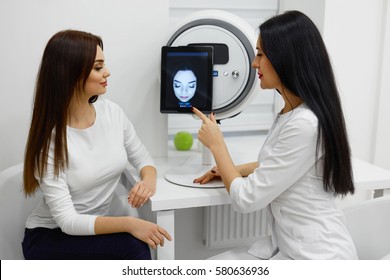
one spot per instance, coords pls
(133, 33)
(313, 9)
(382, 141)
(353, 33)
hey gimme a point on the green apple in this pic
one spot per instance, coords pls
(183, 140)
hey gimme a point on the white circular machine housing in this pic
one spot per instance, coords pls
(234, 84)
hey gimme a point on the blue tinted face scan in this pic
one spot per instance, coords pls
(184, 85)
(186, 79)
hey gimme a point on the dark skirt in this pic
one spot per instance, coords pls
(53, 244)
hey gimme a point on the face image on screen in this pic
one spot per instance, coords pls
(186, 79)
(184, 85)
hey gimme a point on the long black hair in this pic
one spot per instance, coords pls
(295, 48)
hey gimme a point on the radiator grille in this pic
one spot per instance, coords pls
(225, 228)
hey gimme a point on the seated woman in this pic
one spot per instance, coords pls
(78, 145)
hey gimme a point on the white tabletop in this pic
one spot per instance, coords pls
(368, 176)
(172, 196)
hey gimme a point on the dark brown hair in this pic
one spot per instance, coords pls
(66, 64)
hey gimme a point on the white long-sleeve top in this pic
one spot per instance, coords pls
(97, 157)
(304, 219)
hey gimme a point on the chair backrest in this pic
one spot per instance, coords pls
(14, 210)
(369, 225)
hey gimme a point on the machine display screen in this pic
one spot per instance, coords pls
(186, 79)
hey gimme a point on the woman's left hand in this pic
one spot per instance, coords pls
(212, 174)
(209, 133)
(140, 193)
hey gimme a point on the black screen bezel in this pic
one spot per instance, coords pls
(205, 96)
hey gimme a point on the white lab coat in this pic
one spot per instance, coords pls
(304, 219)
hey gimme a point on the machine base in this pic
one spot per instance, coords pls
(185, 176)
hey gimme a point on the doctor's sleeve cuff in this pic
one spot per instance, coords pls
(235, 188)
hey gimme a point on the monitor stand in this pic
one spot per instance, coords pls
(184, 175)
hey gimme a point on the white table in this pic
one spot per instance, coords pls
(170, 197)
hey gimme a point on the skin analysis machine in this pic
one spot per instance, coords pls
(207, 64)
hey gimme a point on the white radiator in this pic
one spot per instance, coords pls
(225, 228)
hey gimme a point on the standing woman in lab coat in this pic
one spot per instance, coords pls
(79, 143)
(305, 161)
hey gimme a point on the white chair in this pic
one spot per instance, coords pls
(15, 207)
(369, 225)
(14, 210)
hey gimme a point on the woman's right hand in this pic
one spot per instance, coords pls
(212, 174)
(148, 232)
(209, 133)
